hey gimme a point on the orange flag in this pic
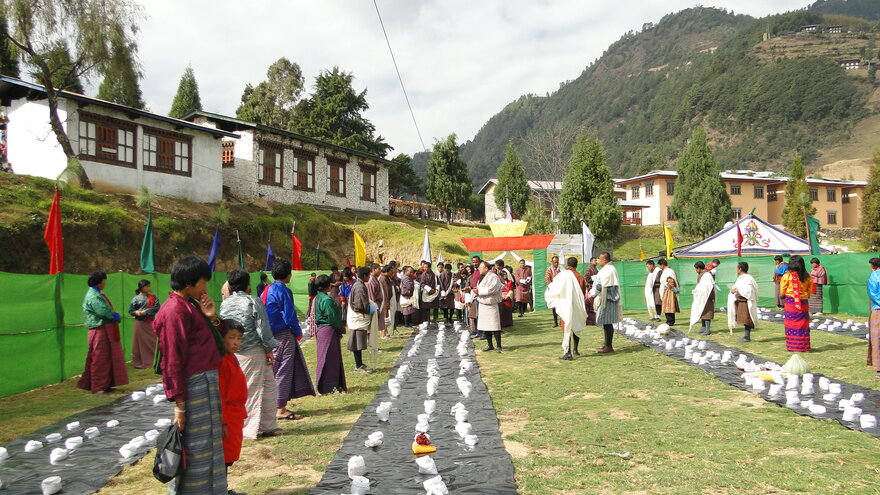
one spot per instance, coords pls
(52, 236)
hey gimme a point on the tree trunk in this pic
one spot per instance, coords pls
(61, 135)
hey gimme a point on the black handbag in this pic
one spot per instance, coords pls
(169, 460)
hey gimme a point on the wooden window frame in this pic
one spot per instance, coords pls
(340, 182)
(106, 124)
(737, 213)
(735, 189)
(814, 194)
(772, 190)
(649, 189)
(308, 175)
(175, 155)
(374, 172)
(670, 188)
(844, 196)
(831, 195)
(227, 154)
(759, 191)
(634, 191)
(263, 176)
(831, 215)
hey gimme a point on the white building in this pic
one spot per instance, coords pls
(121, 148)
(277, 165)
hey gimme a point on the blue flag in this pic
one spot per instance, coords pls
(215, 249)
(270, 257)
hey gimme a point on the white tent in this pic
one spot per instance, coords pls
(759, 238)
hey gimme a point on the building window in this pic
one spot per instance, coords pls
(832, 194)
(336, 176)
(228, 148)
(303, 170)
(670, 188)
(106, 140)
(167, 152)
(737, 213)
(635, 191)
(844, 196)
(735, 189)
(832, 218)
(649, 190)
(368, 183)
(771, 193)
(669, 215)
(271, 158)
(814, 194)
(759, 191)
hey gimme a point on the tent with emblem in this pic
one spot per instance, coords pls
(758, 237)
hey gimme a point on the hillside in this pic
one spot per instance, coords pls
(104, 231)
(762, 91)
(866, 9)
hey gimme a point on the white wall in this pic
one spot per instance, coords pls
(35, 151)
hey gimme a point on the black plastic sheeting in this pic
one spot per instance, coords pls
(485, 468)
(815, 321)
(86, 469)
(729, 374)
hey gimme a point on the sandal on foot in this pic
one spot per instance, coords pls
(272, 433)
(291, 416)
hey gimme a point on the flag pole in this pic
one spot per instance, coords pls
(292, 227)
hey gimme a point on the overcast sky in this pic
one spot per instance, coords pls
(461, 60)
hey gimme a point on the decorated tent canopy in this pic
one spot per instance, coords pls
(759, 238)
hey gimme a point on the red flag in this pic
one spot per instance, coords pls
(739, 241)
(52, 236)
(296, 253)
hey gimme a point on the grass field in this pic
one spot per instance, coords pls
(563, 422)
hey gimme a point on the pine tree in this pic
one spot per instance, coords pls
(512, 184)
(449, 185)
(401, 178)
(8, 61)
(539, 222)
(701, 204)
(870, 230)
(121, 79)
(187, 99)
(588, 192)
(797, 200)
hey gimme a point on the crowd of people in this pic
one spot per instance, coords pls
(233, 371)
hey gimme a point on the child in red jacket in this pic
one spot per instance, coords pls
(233, 392)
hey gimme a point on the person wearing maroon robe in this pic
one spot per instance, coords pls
(522, 279)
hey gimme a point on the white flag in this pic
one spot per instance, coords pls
(440, 257)
(589, 239)
(426, 248)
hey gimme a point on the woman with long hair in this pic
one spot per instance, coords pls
(795, 288)
(143, 307)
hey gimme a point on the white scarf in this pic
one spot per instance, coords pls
(649, 292)
(667, 272)
(566, 296)
(701, 293)
(747, 287)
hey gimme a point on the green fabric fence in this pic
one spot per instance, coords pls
(42, 338)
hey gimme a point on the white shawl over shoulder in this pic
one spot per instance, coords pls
(565, 295)
(747, 287)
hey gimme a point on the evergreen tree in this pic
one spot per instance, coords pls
(334, 113)
(512, 184)
(64, 74)
(701, 203)
(797, 200)
(272, 102)
(8, 61)
(870, 230)
(588, 192)
(187, 99)
(401, 178)
(539, 222)
(449, 185)
(121, 79)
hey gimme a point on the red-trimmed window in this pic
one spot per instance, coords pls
(228, 148)
(271, 164)
(167, 152)
(106, 140)
(303, 170)
(336, 176)
(368, 183)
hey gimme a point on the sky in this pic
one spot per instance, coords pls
(461, 61)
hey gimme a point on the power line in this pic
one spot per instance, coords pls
(399, 78)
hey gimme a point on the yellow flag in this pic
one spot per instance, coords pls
(360, 251)
(669, 243)
(641, 254)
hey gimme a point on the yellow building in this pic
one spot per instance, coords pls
(837, 202)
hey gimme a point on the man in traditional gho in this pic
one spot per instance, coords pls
(607, 300)
(389, 298)
(551, 272)
(778, 272)
(668, 292)
(703, 308)
(742, 302)
(377, 297)
(652, 290)
(409, 288)
(359, 318)
(820, 280)
(429, 292)
(487, 294)
(447, 295)
(589, 273)
(523, 279)
(712, 267)
(874, 318)
(290, 368)
(566, 294)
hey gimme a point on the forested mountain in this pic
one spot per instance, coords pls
(865, 9)
(730, 73)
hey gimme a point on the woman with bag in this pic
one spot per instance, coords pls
(192, 349)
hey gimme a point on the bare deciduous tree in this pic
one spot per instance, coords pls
(545, 156)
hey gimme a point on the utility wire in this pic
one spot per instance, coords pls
(399, 78)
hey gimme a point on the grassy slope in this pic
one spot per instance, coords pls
(106, 230)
